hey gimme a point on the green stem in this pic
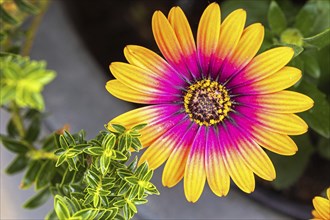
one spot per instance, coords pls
(33, 29)
(40, 155)
(17, 119)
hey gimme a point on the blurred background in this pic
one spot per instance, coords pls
(79, 39)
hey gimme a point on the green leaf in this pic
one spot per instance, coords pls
(290, 168)
(105, 163)
(63, 142)
(60, 207)
(276, 18)
(120, 155)
(51, 215)
(306, 18)
(323, 148)
(320, 40)
(17, 165)
(26, 7)
(14, 145)
(121, 129)
(61, 159)
(139, 127)
(109, 141)
(94, 151)
(33, 130)
(11, 128)
(38, 199)
(132, 179)
(45, 174)
(136, 144)
(31, 174)
(88, 213)
(7, 17)
(318, 116)
(311, 64)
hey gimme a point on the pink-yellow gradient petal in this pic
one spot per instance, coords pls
(216, 172)
(282, 79)
(279, 102)
(168, 43)
(123, 92)
(230, 34)
(290, 124)
(275, 142)
(244, 52)
(158, 152)
(185, 37)
(140, 79)
(176, 163)
(241, 175)
(150, 61)
(195, 176)
(158, 118)
(264, 65)
(208, 35)
(255, 158)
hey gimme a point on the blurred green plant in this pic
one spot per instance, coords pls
(23, 80)
(13, 13)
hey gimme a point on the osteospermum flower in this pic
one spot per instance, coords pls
(212, 103)
(322, 207)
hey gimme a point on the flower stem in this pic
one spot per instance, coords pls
(33, 29)
(17, 119)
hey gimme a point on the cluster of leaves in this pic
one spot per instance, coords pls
(12, 14)
(304, 26)
(93, 179)
(22, 80)
(96, 182)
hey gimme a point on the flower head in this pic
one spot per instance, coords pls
(212, 103)
(322, 207)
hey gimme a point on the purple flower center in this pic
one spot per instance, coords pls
(207, 102)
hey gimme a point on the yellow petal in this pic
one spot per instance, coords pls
(216, 172)
(135, 77)
(275, 142)
(123, 92)
(242, 176)
(255, 158)
(208, 34)
(195, 176)
(248, 44)
(322, 206)
(264, 65)
(316, 215)
(282, 79)
(168, 43)
(284, 102)
(328, 193)
(182, 30)
(289, 124)
(231, 32)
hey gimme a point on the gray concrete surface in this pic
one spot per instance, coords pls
(78, 97)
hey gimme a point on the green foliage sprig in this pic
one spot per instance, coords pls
(23, 80)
